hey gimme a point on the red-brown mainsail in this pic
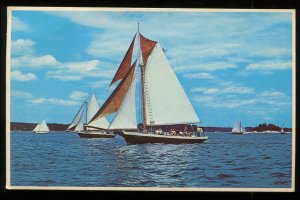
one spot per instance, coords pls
(125, 64)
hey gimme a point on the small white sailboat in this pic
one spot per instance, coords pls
(41, 128)
(238, 128)
(162, 102)
(282, 130)
(91, 129)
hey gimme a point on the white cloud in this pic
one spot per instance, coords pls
(199, 76)
(19, 76)
(263, 103)
(78, 95)
(22, 47)
(20, 94)
(238, 90)
(270, 65)
(224, 90)
(73, 71)
(211, 66)
(99, 84)
(272, 94)
(19, 25)
(55, 101)
(34, 61)
(97, 19)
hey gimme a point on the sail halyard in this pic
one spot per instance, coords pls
(114, 101)
(125, 64)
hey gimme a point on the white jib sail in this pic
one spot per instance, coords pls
(92, 109)
(43, 127)
(37, 128)
(126, 115)
(79, 127)
(167, 102)
(77, 118)
(237, 127)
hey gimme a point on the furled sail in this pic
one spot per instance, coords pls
(147, 47)
(114, 101)
(125, 64)
(166, 101)
(77, 118)
(126, 115)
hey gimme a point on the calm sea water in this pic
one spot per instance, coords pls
(224, 160)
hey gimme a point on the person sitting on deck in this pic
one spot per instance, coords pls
(158, 131)
(173, 132)
(199, 130)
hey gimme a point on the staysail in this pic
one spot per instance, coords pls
(126, 115)
(114, 101)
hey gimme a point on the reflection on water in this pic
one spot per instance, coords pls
(225, 160)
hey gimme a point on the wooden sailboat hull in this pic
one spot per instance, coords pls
(96, 135)
(140, 138)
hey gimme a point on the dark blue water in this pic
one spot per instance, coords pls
(224, 160)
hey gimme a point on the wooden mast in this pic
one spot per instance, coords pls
(143, 98)
(142, 66)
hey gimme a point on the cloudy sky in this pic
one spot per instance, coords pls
(232, 65)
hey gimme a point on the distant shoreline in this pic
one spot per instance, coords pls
(22, 126)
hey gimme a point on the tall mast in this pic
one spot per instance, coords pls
(142, 66)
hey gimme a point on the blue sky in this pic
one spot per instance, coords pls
(232, 65)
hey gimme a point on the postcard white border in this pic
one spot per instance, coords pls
(8, 55)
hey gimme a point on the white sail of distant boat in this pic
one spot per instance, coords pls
(282, 130)
(163, 100)
(86, 113)
(41, 128)
(92, 109)
(77, 118)
(238, 128)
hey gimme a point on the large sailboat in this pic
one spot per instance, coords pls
(41, 128)
(238, 128)
(90, 129)
(161, 105)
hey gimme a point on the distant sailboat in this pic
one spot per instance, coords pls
(238, 128)
(41, 128)
(91, 129)
(163, 101)
(282, 130)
